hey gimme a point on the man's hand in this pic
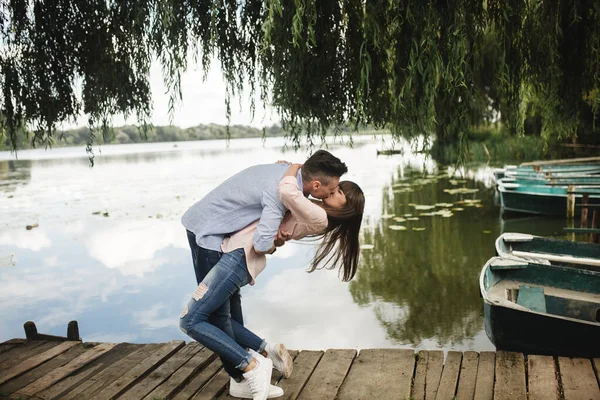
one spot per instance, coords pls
(279, 242)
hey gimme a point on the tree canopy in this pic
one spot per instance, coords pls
(415, 67)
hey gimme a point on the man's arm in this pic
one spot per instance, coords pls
(268, 225)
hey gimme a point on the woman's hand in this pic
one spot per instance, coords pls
(293, 170)
(283, 236)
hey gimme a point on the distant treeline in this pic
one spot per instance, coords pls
(131, 134)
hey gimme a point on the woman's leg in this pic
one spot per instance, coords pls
(211, 299)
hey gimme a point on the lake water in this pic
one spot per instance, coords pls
(111, 253)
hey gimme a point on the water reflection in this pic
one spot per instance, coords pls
(13, 174)
(126, 277)
(423, 282)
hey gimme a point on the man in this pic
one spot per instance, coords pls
(251, 195)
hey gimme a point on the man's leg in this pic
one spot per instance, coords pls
(204, 260)
(211, 299)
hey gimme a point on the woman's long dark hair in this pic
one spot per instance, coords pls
(343, 229)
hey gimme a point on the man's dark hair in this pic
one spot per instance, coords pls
(323, 164)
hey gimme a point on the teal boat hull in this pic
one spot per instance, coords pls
(523, 332)
(543, 246)
(565, 322)
(544, 200)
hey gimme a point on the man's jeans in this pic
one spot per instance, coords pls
(228, 315)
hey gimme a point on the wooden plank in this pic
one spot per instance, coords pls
(67, 369)
(199, 381)
(484, 386)
(95, 367)
(541, 378)
(596, 363)
(468, 376)
(6, 347)
(304, 365)
(23, 352)
(380, 374)
(562, 161)
(176, 381)
(108, 375)
(15, 341)
(214, 387)
(327, 378)
(578, 379)
(34, 374)
(34, 361)
(561, 258)
(134, 375)
(510, 376)
(184, 374)
(158, 376)
(449, 379)
(435, 365)
(418, 390)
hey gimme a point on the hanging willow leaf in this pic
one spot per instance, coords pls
(420, 68)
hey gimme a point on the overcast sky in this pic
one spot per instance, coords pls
(203, 102)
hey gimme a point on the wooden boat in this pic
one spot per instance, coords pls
(540, 308)
(389, 152)
(578, 180)
(546, 170)
(542, 199)
(543, 250)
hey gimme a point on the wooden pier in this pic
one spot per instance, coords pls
(47, 369)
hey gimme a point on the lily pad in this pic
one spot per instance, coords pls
(486, 231)
(444, 204)
(407, 215)
(367, 246)
(461, 191)
(423, 207)
(418, 229)
(397, 227)
(387, 216)
(412, 219)
(399, 219)
(457, 209)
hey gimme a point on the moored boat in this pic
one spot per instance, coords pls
(541, 308)
(550, 250)
(542, 199)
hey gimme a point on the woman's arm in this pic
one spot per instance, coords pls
(293, 199)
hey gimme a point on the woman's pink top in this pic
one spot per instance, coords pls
(306, 218)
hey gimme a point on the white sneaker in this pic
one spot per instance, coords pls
(242, 390)
(259, 379)
(282, 361)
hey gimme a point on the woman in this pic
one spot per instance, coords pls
(336, 219)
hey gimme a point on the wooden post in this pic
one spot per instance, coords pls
(584, 210)
(570, 201)
(594, 237)
(73, 331)
(31, 332)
